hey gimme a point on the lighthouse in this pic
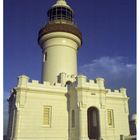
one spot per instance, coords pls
(60, 40)
(65, 105)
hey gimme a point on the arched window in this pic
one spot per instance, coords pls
(73, 118)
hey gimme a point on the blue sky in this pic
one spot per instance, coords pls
(108, 49)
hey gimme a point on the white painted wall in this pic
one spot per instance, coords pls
(61, 48)
(32, 96)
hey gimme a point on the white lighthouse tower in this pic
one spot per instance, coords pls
(59, 39)
(65, 105)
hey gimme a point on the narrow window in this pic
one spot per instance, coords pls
(73, 119)
(45, 57)
(110, 118)
(47, 115)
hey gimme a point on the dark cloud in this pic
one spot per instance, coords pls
(117, 73)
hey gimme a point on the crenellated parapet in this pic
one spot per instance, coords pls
(24, 84)
(83, 81)
(98, 86)
(27, 88)
(117, 93)
(22, 81)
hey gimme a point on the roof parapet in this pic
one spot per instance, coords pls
(23, 80)
(100, 82)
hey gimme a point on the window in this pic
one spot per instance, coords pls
(45, 57)
(110, 118)
(60, 13)
(47, 115)
(73, 118)
(64, 11)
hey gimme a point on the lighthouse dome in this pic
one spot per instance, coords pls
(60, 11)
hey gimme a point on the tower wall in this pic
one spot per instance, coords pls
(60, 55)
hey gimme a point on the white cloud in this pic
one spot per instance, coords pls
(108, 67)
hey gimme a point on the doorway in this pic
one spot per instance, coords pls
(93, 123)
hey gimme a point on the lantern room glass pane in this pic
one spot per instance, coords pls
(57, 13)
